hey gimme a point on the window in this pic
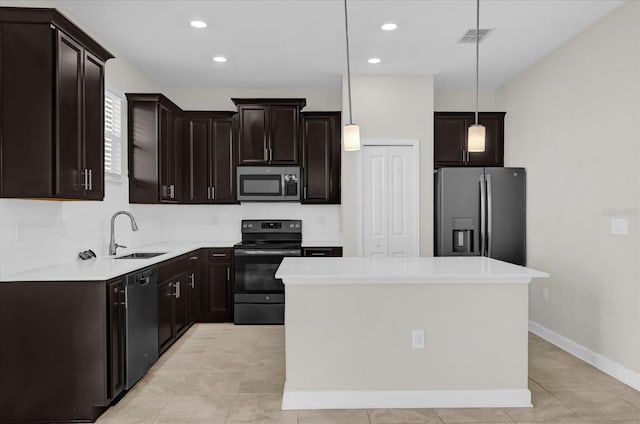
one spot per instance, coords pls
(112, 135)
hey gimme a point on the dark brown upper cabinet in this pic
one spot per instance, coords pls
(51, 107)
(210, 157)
(320, 157)
(268, 131)
(155, 131)
(450, 139)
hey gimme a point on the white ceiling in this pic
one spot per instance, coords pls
(275, 44)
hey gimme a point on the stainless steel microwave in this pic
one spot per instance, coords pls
(268, 184)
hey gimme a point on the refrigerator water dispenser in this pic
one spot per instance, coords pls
(463, 241)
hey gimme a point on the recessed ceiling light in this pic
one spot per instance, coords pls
(389, 27)
(374, 60)
(198, 24)
(219, 59)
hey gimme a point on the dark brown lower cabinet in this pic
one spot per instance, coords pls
(322, 251)
(219, 287)
(195, 285)
(173, 301)
(56, 356)
(117, 335)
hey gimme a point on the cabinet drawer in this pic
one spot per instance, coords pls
(323, 251)
(172, 267)
(220, 254)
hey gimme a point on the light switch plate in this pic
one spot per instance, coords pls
(620, 226)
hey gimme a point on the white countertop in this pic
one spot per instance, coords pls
(106, 267)
(383, 270)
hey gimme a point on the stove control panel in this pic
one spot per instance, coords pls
(271, 226)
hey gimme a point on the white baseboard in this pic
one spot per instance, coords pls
(406, 399)
(599, 361)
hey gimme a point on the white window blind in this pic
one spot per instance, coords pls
(112, 135)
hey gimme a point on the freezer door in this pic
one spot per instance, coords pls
(457, 211)
(506, 214)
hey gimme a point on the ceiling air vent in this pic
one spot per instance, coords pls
(470, 35)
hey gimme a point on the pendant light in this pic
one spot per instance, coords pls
(476, 134)
(351, 131)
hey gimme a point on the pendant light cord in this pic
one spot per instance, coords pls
(477, 53)
(346, 31)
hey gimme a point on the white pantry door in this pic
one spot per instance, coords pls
(389, 201)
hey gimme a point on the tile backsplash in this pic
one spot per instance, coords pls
(38, 233)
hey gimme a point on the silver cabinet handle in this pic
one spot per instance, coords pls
(126, 298)
(193, 281)
(218, 255)
(305, 193)
(266, 153)
(228, 274)
(467, 156)
(482, 214)
(193, 258)
(177, 287)
(270, 154)
(90, 180)
(462, 156)
(213, 193)
(318, 254)
(85, 183)
(208, 193)
(172, 191)
(489, 215)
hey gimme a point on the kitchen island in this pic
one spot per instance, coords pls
(355, 326)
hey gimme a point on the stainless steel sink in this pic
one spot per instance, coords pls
(141, 255)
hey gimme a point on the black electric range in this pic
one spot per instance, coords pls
(258, 294)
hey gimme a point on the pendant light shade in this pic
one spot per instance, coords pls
(351, 137)
(476, 134)
(475, 138)
(351, 134)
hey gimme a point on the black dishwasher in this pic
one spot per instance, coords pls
(142, 323)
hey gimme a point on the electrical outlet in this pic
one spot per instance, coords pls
(620, 226)
(545, 294)
(417, 339)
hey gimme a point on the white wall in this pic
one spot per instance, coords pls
(573, 123)
(212, 99)
(387, 106)
(464, 101)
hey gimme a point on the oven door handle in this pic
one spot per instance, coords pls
(292, 252)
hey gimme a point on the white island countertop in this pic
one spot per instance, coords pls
(104, 268)
(383, 270)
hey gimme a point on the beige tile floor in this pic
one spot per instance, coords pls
(221, 373)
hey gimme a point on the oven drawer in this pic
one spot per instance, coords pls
(251, 313)
(259, 298)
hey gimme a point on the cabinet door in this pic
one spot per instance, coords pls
(493, 154)
(283, 135)
(321, 158)
(219, 285)
(195, 286)
(449, 139)
(219, 294)
(167, 148)
(166, 326)
(93, 136)
(70, 175)
(116, 335)
(196, 160)
(223, 160)
(252, 146)
(181, 295)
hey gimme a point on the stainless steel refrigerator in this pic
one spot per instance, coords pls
(481, 212)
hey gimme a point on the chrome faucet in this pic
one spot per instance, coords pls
(113, 246)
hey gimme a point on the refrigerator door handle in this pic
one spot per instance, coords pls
(489, 215)
(482, 215)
